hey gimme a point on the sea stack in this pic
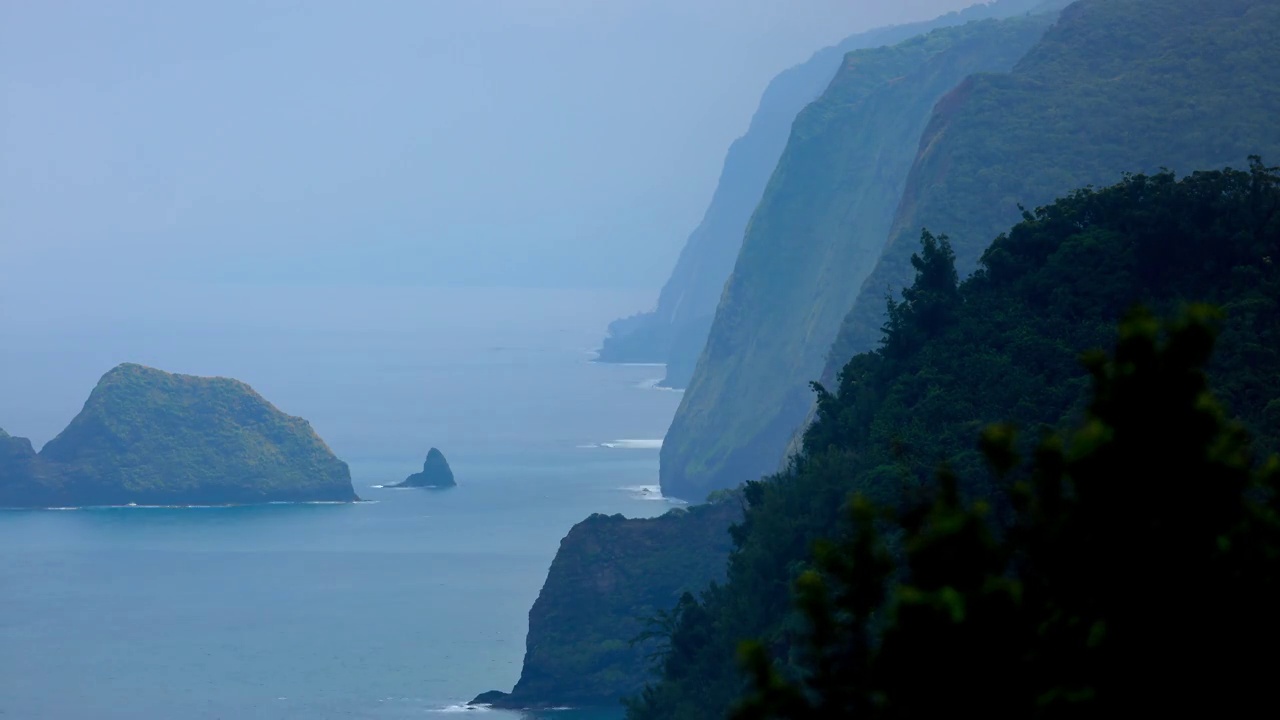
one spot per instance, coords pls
(435, 473)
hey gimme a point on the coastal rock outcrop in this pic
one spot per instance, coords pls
(150, 437)
(23, 473)
(435, 473)
(609, 575)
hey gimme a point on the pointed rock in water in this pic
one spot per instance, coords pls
(435, 473)
(154, 438)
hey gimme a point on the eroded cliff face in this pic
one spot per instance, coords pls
(154, 438)
(1114, 87)
(817, 232)
(608, 576)
(676, 330)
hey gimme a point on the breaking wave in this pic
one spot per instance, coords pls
(651, 492)
(634, 444)
(464, 708)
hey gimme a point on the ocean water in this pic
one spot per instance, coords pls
(402, 606)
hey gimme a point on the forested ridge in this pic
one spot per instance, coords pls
(1004, 346)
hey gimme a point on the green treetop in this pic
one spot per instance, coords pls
(1140, 575)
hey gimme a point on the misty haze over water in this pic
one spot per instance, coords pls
(510, 142)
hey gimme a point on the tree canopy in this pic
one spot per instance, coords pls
(1139, 573)
(1002, 346)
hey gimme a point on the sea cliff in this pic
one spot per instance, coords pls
(676, 330)
(818, 231)
(609, 576)
(1114, 88)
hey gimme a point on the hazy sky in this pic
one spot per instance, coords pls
(480, 142)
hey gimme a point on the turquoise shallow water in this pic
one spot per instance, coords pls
(406, 605)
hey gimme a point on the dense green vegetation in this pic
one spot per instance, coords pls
(676, 330)
(817, 232)
(150, 437)
(1116, 86)
(610, 575)
(1000, 347)
(1139, 574)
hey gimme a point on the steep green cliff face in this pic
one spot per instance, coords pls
(153, 438)
(1004, 346)
(1117, 86)
(609, 576)
(676, 331)
(817, 232)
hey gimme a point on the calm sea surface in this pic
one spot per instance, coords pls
(406, 605)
